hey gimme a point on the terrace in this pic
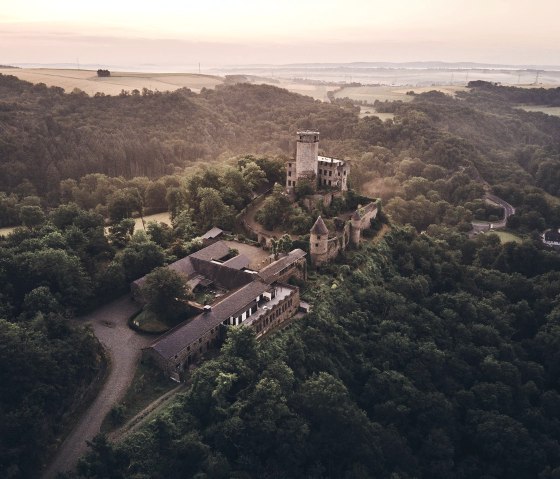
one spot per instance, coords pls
(282, 291)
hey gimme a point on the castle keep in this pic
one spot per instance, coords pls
(321, 171)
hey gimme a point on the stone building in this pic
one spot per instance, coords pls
(323, 172)
(258, 299)
(325, 245)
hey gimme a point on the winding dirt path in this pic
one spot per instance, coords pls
(124, 347)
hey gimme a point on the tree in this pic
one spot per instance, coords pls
(121, 232)
(166, 293)
(31, 216)
(140, 256)
(253, 176)
(212, 209)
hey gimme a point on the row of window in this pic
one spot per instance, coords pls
(271, 317)
(328, 172)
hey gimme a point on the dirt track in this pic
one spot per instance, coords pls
(123, 346)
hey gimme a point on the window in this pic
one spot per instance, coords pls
(316, 245)
(318, 237)
(289, 173)
(289, 182)
(330, 173)
(289, 165)
(329, 182)
(344, 172)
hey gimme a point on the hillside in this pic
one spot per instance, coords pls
(47, 135)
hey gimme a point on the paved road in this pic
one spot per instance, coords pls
(123, 345)
(509, 210)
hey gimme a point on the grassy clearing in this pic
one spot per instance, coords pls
(147, 322)
(549, 110)
(7, 230)
(389, 93)
(148, 384)
(159, 217)
(506, 237)
(370, 111)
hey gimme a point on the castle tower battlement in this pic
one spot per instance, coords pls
(320, 171)
(307, 154)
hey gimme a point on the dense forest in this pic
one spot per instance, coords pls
(428, 354)
(431, 357)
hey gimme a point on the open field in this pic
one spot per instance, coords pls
(7, 230)
(88, 81)
(549, 110)
(390, 93)
(506, 237)
(159, 217)
(370, 111)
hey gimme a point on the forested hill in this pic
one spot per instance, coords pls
(47, 135)
(423, 358)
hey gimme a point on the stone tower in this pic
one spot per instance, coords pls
(319, 242)
(356, 228)
(307, 153)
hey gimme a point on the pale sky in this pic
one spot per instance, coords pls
(170, 32)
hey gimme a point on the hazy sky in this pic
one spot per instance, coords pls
(173, 32)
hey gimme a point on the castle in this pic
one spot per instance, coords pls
(325, 244)
(320, 172)
(328, 178)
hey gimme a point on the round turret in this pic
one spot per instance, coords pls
(319, 242)
(356, 228)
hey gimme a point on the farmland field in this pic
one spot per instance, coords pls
(88, 81)
(388, 93)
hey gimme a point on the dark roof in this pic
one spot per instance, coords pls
(217, 250)
(183, 266)
(268, 272)
(228, 278)
(320, 228)
(186, 265)
(178, 338)
(237, 262)
(212, 233)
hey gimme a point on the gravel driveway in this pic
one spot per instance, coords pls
(124, 347)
